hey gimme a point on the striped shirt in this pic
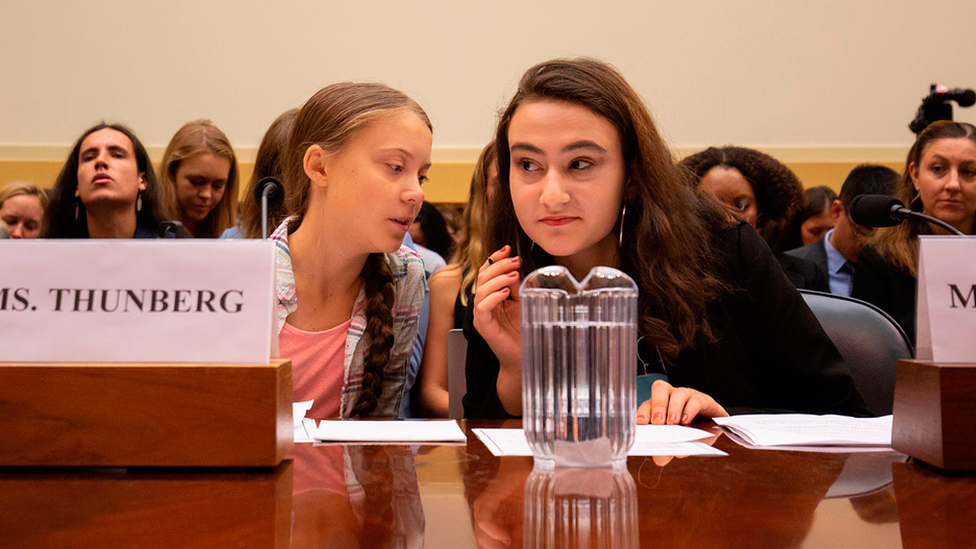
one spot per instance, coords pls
(409, 282)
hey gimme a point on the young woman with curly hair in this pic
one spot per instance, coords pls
(348, 293)
(756, 188)
(586, 180)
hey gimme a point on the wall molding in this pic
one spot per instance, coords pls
(469, 155)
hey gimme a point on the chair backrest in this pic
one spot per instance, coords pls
(870, 341)
(457, 352)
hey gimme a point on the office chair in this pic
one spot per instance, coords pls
(870, 341)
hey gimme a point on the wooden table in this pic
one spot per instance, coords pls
(462, 496)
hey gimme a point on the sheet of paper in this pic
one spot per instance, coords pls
(650, 440)
(779, 430)
(298, 411)
(395, 432)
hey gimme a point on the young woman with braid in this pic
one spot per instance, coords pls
(348, 293)
(452, 286)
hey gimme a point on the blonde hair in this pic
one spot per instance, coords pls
(472, 250)
(329, 119)
(196, 137)
(26, 188)
(899, 244)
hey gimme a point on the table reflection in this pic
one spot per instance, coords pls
(592, 508)
(356, 496)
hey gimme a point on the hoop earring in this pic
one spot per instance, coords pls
(77, 208)
(916, 204)
(623, 214)
(139, 202)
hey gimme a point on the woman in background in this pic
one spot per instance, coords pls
(348, 293)
(22, 206)
(755, 187)
(585, 180)
(198, 179)
(452, 287)
(939, 180)
(106, 189)
(268, 163)
(812, 221)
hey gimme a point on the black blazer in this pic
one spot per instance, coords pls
(889, 288)
(769, 352)
(814, 254)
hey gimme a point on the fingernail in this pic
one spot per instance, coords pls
(515, 259)
(658, 416)
(673, 418)
(641, 417)
(684, 418)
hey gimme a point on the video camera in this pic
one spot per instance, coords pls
(936, 106)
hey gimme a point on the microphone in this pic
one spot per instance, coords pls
(269, 193)
(964, 97)
(880, 210)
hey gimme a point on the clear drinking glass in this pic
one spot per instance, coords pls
(579, 366)
(580, 508)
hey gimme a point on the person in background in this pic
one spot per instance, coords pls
(452, 287)
(430, 231)
(585, 180)
(812, 221)
(198, 179)
(348, 292)
(939, 180)
(266, 164)
(756, 189)
(454, 219)
(22, 206)
(836, 254)
(106, 189)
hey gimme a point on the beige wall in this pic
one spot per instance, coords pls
(831, 83)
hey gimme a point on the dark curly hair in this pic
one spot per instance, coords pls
(779, 193)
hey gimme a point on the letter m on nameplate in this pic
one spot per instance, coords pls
(964, 300)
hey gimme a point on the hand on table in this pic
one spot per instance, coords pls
(671, 405)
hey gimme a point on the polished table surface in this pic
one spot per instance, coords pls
(462, 496)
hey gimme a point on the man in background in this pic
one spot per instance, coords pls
(837, 252)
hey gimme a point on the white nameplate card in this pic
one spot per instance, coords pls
(946, 299)
(136, 301)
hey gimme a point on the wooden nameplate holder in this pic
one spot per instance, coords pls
(935, 413)
(137, 415)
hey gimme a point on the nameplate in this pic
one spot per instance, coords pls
(946, 299)
(98, 301)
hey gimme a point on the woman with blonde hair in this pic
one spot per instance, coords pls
(939, 180)
(452, 286)
(22, 206)
(349, 294)
(198, 179)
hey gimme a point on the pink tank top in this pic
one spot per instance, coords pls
(317, 366)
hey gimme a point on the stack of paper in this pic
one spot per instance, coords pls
(366, 432)
(390, 432)
(650, 440)
(809, 432)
